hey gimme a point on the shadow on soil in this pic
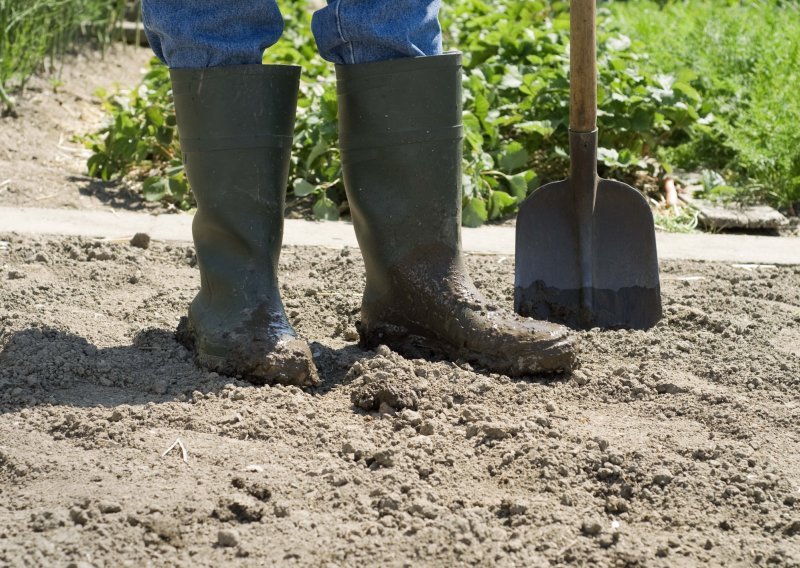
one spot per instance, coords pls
(46, 366)
(113, 193)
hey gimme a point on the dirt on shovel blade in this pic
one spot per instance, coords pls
(672, 447)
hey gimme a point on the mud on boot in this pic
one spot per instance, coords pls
(236, 125)
(401, 137)
(440, 312)
(260, 358)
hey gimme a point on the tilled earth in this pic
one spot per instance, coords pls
(674, 447)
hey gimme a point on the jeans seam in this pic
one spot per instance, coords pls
(341, 33)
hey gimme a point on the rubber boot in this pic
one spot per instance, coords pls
(401, 144)
(236, 126)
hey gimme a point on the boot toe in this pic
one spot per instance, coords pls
(289, 363)
(532, 346)
(260, 360)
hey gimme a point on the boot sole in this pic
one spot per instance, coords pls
(558, 357)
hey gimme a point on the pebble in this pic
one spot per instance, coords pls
(580, 377)
(551, 407)
(107, 507)
(15, 275)
(668, 388)
(662, 477)
(228, 538)
(591, 527)
(141, 240)
(78, 516)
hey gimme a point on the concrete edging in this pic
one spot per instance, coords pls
(484, 240)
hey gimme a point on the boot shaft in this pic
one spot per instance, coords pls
(236, 126)
(400, 131)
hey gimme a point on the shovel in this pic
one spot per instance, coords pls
(585, 247)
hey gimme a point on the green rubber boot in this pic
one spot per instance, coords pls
(400, 137)
(236, 126)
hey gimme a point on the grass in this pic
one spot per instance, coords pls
(33, 31)
(744, 60)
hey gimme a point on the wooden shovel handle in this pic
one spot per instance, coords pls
(583, 66)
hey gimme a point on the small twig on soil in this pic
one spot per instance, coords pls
(563, 550)
(5, 183)
(178, 443)
(48, 196)
(116, 240)
(337, 293)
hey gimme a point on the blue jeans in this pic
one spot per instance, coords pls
(214, 33)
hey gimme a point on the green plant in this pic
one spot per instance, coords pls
(517, 96)
(142, 135)
(743, 60)
(668, 98)
(32, 30)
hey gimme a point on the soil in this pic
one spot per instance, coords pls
(42, 164)
(672, 447)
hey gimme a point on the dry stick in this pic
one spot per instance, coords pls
(48, 196)
(178, 443)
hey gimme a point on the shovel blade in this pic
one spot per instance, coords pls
(549, 283)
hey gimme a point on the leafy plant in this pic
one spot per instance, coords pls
(653, 114)
(142, 135)
(742, 58)
(517, 96)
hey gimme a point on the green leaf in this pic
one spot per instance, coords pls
(301, 187)
(155, 188)
(514, 156)
(178, 186)
(155, 115)
(474, 212)
(500, 203)
(319, 148)
(173, 171)
(519, 185)
(325, 209)
(481, 106)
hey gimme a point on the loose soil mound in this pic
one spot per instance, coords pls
(675, 447)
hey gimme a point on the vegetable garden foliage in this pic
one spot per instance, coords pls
(516, 97)
(744, 59)
(32, 30)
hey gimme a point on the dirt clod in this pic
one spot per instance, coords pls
(140, 240)
(662, 477)
(591, 527)
(228, 538)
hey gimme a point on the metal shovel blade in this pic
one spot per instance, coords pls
(586, 251)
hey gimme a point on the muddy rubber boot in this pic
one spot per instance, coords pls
(236, 126)
(400, 138)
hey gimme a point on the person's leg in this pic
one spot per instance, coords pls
(361, 31)
(210, 33)
(236, 121)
